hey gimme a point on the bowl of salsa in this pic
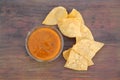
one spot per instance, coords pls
(44, 43)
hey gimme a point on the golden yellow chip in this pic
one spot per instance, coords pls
(54, 15)
(85, 33)
(90, 62)
(76, 14)
(76, 62)
(87, 47)
(66, 53)
(70, 27)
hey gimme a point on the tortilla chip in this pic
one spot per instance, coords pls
(54, 15)
(76, 14)
(85, 33)
(90, 62)
(70, 27)
(76, 62)
(87, 47)
(66, 53)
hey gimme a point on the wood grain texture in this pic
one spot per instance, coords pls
(17, 17)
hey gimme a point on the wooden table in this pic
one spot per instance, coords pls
(17, 17)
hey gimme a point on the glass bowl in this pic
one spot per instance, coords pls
(27, 42)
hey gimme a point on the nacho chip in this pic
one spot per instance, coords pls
(85, 33)
(87, 47)
(76, 14)
(66, 53)
(70, 27)
(76, 62)
(90, 62)
(54, 15)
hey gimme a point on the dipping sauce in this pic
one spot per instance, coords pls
(44, 43)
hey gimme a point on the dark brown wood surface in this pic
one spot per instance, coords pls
(17, 17)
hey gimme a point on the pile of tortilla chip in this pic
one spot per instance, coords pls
(72, 25)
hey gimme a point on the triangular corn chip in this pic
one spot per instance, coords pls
(87, 47)
(70, 27)
(55, 15)
(76, 62)
(76, 14)
(85, 33)
(66, 53)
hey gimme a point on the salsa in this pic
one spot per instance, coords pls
(44, 43)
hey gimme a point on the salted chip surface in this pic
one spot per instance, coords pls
(55, 15)
(85, 33)
(87, 47)
(76, 14)
(76, 62)
(70, 27)
(66, 53)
